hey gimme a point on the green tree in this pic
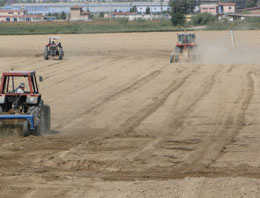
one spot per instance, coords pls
(147, 10)
(133, 9)
(2, 3)
(63, 15)
(180, 8)
(250, 3)
(203, 18)
(101, 14)
(258, 3)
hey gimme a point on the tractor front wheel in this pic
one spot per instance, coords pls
(46, 54)
(60, 53)
(176, 58)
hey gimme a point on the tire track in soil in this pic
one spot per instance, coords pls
(245, 105)
(187, 170)
(81, 72)
(104, 100)
(22, 64)
(158, 102)
(151, 146)
(87, 86)
(133, 122)
(16, 64)
(213, 149)
(56, 70)
(178, 122)
(77, 62)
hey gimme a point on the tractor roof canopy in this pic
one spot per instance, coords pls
(54, 38)
(19, 73)
(10, 81)
(183, 33)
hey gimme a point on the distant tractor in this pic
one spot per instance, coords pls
(185, 49)
(21, 104)
(53, 48)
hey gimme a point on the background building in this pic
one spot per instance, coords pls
(226, 8)
(209, 8)
(18, 16)
(77, 14)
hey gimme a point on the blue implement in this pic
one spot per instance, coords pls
(20, 117)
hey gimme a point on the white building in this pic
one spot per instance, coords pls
(18, 16)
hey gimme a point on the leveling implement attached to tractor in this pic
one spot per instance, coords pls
(185, 49)
(21, 104)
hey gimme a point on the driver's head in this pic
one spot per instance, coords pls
(22, 86)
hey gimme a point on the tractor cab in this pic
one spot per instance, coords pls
(185, 48)
(186, 39)
(25, 107)
(18, 101)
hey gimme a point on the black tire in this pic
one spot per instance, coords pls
(25, 130)
(171, 58)
(46, 54)
(47, 117)
(38, 114)
(177, 50)
(60, 53)
(176, 59)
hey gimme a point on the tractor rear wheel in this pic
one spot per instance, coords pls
(25, 130)
(46, 53)
(60, 53)
(176, 58)
(40, 123)
(47, 117)
(171, 59)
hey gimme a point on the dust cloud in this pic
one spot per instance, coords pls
(221, 50)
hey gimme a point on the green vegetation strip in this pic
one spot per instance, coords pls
(119, 26)
(248, 24)
(84, 27)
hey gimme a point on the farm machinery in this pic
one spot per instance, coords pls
(53, 48)
(185, 49)
(21, 104)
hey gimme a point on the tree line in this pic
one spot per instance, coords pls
(180, 8)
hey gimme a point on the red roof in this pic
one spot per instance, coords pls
(75, 7)
(11, 10)
(226, 4)
(20, 16)
(85, 12)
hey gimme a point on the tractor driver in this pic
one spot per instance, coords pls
(20, 89)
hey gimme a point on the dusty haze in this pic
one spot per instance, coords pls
(127, 123)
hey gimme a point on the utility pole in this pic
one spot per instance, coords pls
(161, 6)
(110, 8)
(151, 10)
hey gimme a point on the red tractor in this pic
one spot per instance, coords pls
(185, 48)
(53, 48)
(21, 104)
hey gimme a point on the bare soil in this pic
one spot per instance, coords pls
(127, 123)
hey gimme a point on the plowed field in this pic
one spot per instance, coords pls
(127, 123)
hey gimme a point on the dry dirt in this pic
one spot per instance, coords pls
(127, 123)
